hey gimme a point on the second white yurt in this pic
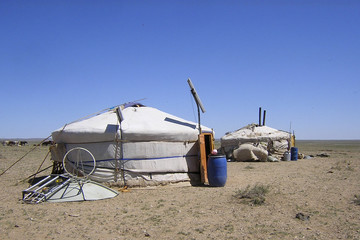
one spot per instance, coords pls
(254, 142)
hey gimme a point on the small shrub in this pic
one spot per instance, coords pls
(357, 199)
(340, 165)
(337, 166)
(199, 230)
(249, 167)
(229, 228)
(254, 195)
(156, 220)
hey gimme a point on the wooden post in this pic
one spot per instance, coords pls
(203, 159)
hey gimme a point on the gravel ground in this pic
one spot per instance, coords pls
(307, 199)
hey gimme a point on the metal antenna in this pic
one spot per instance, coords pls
(197, 100)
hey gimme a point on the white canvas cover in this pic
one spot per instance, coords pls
(276, 142)
(136, 145)
(249, 152)
(84, 191)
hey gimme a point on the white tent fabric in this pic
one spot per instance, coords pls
(136, 145)
(249, 152)
(275, 141)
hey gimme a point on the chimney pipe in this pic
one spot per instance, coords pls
(264, 117)
(259, 116)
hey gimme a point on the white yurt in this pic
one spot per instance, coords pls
(132, 145)
(255, 142)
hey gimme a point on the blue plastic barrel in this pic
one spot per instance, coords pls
(294, 154)
(217, 170)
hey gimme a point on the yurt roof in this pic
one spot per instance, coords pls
(254, 132)
(139, 123)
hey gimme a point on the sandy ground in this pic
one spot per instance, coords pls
(321, 188)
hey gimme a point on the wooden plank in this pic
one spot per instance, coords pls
(203, 159)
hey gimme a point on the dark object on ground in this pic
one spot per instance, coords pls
(302, 217)
(357, 199)
(47, 143)
(323, 155)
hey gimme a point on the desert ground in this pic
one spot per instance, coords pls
(321, 189)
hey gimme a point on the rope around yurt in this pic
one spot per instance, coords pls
(40, 166)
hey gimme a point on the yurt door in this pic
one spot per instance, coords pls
(206, 143)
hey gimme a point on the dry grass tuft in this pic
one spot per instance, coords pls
(254, 195)
(357, 199)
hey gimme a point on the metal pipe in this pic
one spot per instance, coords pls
(264, 117)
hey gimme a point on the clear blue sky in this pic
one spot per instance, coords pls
(298, 60)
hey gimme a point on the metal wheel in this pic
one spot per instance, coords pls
(80, 163)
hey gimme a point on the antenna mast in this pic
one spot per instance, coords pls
(197, 100)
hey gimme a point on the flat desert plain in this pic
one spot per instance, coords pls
(320, 190)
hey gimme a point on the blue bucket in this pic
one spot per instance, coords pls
(217, 170)
(294, 154)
